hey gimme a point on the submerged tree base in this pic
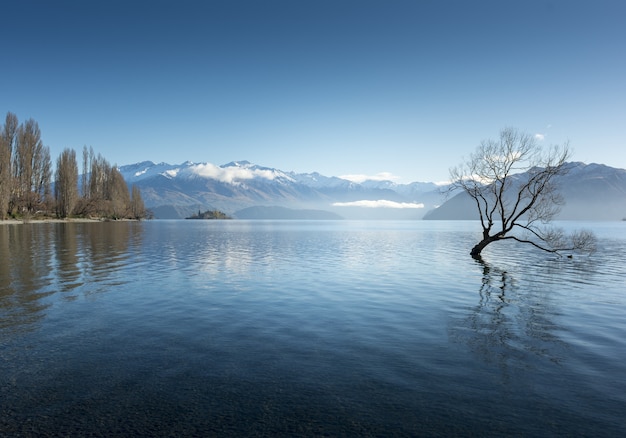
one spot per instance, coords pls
(478, 248)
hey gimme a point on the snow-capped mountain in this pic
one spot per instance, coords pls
(176, 190)
(591, 191)
(233, 172)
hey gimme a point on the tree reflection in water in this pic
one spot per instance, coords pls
(24, 276)
(43, 262)
(512, 325)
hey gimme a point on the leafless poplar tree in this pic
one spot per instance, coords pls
(5, 177)
(42, 177)
(26, 174)
(66, 183)
(7, 142)
(85, 181)
(117, 194)
(99, 178)
(138, 210)
(32, 168)
(513, 205)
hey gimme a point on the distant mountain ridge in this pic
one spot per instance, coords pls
(591, 191)
(175, 191)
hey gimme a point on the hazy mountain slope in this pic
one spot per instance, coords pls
(262, 212)
(459, 207)
(169, 189)
(594, 191)
(591, 192)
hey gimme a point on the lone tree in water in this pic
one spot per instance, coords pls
(512, 183)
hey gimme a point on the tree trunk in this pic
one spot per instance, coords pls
(478, 248)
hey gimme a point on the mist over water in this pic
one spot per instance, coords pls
(167, 328)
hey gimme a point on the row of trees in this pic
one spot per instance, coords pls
(25, 167)
(26, 185)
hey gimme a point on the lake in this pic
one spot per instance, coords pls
(307, 328)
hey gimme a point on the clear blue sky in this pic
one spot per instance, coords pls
(339, 87)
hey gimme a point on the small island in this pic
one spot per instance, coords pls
(209, 214)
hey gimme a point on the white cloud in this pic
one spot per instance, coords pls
(381, 203)
(172, 173)
(381, 176)
(230, 175)
(540, 137)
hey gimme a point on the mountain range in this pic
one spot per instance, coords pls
(245, 190)
(590, 191)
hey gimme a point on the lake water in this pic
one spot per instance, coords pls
(282, 328)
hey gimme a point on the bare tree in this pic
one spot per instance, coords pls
(99, 178)
(5, 177)
(7, 142)
(26, 175)
(138, 210)
(66, 183)
(512, 182)
(84, 180)
(31, 167)
(42, 177)
(117, 194)
(91, 192)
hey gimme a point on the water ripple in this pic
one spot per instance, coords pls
(309, 328)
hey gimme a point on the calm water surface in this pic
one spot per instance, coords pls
(253, 328)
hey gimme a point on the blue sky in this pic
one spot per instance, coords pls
(340, 87)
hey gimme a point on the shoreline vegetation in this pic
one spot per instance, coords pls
(55, 220)
(31, 191)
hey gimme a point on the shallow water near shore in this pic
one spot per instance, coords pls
(278, 328)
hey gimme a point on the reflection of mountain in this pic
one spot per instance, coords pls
(176, 191)
(591, 192)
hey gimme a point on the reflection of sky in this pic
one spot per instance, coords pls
(346, 320)
(330, 257)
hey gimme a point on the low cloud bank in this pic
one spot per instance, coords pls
(381, 203)
(382, 176)
(231, 175)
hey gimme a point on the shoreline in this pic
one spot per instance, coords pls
(59, 221)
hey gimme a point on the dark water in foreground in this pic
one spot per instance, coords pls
(205, 328)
